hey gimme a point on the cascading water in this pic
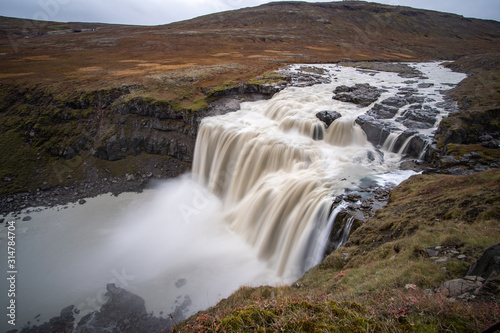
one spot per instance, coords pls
(390, 142)
(256, 209)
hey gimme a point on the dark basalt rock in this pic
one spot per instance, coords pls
(64, 323)
(419, 117)
(388, 108)
(328, 117)
(416, 147)
(360, 94)
(121, 305)
(482, 279)
(395, 101)
(123, 312)
(381, 111)
(488, 264)
(376, 131)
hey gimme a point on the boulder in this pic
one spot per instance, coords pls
(483, 278)
(328, 117)
(419, 117)
(382, 111)
(458, 287)
(120, 305)
(395, 101)
(63, 324)
(376, 131)
(488, 264)
(361, 94)
(388, 108)
(416, 147)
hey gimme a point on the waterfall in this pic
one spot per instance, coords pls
(269, 181)
(256, 209)
(345, 132)
(421, 156)
(275, 175)
(343, 232)
(405, 144)
(319, 239)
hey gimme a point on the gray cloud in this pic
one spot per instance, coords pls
(154, 12)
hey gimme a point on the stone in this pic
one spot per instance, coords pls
(67, 312)
(361, 94)
(121, 305)
(411, 287)
(419, 117)
(442, 260)
(488, 264)
(27, 218)
(180, 283)
(82, 201)
(395, 101)
(425, 85)
(462, 256)
(388, 108)
(431, 252)
(328, 117)
(376, 130)
(381, 111)
(493, 144)
(63, 324)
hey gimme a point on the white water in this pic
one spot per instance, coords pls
(255, 212)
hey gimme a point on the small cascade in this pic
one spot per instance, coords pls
(345, 132)
(319, 239)
(343, 232)
(312, 128)
(390, 142)
(421, 156)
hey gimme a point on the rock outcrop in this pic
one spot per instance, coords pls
(483, 278)
(123, 312)
(328, 117)
(361, 94)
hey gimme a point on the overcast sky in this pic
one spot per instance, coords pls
(155, 12)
